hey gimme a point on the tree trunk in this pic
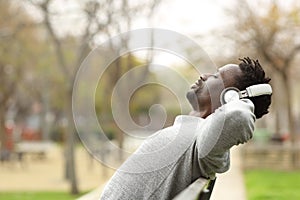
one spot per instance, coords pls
(70, 142)
(291, 123)
(2, 137)
(45, 126)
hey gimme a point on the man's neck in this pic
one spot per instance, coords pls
(201, 113)
(204, 113)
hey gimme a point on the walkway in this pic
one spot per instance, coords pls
(230, 185)
(47, 174)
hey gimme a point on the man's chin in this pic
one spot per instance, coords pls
(192, 98)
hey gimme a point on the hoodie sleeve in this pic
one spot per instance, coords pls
(231, 124)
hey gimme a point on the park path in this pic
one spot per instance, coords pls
(230, 185)
(47, 174)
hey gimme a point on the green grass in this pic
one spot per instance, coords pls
(37, 196)
(272, 185)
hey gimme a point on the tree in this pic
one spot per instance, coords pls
(17, 38)
(101, 18)
(271, 34)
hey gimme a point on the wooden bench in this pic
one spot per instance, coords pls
(200, 189)
(269, 155)
(39, 148)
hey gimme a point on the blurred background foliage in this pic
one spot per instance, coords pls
(42, 49)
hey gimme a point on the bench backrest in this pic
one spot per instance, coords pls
(200, 189)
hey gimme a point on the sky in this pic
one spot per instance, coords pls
(187, 17)
(190, 16)
(202, 16)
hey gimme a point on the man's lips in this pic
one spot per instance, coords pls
(197, 84)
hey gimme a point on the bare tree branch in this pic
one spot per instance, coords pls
(44, 6)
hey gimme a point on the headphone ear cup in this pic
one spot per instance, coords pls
(229, 94)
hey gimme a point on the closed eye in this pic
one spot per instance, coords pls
(217, 74)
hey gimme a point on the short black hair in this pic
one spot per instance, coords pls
(254, 74)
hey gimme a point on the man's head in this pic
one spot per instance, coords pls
(204, 95)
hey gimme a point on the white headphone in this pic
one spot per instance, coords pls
(232, 93)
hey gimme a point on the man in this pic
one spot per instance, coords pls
(195, 146)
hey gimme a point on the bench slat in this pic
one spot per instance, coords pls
(193, 191)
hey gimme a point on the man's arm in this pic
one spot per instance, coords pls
(231, 124)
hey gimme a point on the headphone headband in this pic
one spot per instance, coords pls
(257, 90)
(232, 93)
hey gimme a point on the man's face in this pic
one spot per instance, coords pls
(205, 92)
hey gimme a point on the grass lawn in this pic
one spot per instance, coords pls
(267, 184)
(37, 195)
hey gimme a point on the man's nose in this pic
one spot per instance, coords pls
(204, 77)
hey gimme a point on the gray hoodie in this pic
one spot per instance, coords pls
(171, 159)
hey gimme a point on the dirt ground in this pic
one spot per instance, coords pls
(47, 174)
